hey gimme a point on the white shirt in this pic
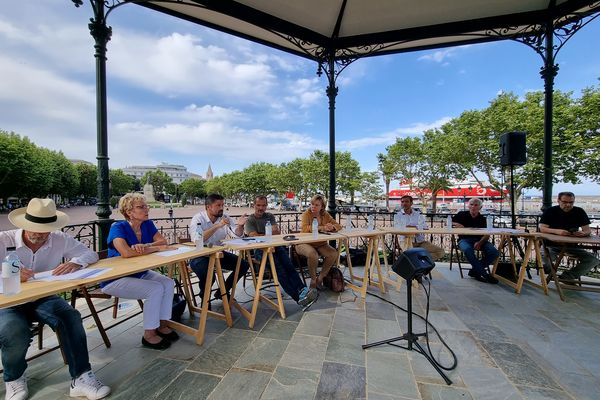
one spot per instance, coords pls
(201, 219)
(412, 219)
(59, 246)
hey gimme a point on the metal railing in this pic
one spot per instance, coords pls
(178, 227)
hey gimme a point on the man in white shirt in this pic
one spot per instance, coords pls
(217, 226)
(41, 247)
(412, 219)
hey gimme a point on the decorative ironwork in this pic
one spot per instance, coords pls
(534, 35)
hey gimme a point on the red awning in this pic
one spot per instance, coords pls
(476, 191)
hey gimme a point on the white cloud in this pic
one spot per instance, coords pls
(442, 56)
(390, 137)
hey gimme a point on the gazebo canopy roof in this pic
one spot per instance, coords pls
(354, 28)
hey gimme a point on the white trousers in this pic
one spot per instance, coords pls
(155, 288)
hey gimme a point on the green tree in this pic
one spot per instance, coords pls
(369, 188)
(158, 179)
(88, 180)
(120, 183)
(255, 180)
(193, 188)
(20, 169)
(387, 169)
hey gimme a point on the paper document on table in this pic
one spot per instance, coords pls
(179, 250)
(81, 274)
(247, 240)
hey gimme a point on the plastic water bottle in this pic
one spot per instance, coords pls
(489, 222)
(370, 222)
(315, 228)
(449, 222)
(348, 226)
(199, 236)
(11, 272)
(268, 231)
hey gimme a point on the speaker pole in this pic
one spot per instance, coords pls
(512, 198)
(410, 337)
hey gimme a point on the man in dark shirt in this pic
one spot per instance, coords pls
(286, 273)
(567, 220)
(469, 244)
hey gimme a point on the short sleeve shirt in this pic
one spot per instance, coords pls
(254, 224)
(122, 230)
(466, 219)
(556, 218)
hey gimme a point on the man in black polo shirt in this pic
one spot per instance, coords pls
(567, 220)
(469, 244)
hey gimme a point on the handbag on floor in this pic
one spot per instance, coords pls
(179, 303)
(335, 280)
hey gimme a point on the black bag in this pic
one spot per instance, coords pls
(505, 270)
(179, 303)
(335, 280)
(357, 255)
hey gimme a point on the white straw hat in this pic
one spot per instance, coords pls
(40, 216)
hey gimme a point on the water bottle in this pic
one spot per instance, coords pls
(268, 231)
(449, 222)
(348, 226)
(370, 223)
(11, 273)
(199, 236)
(315, 228)
(489, 222)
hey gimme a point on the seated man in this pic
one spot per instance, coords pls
(288, 277)
(217, 226)
(41, 247)
(469, 244)
(412, 219)
(568, 220)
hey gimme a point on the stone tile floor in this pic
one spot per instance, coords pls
(508, 346)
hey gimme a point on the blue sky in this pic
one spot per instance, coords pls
(184, 94)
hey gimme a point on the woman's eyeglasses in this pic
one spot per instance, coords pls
(144, 207)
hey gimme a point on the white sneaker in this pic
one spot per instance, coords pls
(17, 389)
(87, 385)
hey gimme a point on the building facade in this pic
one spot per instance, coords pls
(178, 173)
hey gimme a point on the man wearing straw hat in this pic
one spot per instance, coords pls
(42, 247)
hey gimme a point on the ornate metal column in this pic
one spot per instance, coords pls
(332, 92)
(540, 38)
(548, 72)
(101, 34)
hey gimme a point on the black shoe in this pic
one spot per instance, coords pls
(163, 344)
(171, 336)
(477, 276)
(490, 279)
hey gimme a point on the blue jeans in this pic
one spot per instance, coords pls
(200, 267)
(585, 261)
(289, 279)
(15, 334)
(489, 254)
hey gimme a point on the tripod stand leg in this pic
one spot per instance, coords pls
(432, 362)
(386, 341)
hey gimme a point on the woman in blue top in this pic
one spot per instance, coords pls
(133, 237)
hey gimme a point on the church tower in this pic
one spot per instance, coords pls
(209, 173)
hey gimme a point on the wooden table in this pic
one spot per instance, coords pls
(505, 241)
(119, 267)
(268, 248)
(591, 242)
(372, 263)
